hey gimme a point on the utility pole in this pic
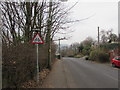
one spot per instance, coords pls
(98, 36)
(59, 50)
(59, 46)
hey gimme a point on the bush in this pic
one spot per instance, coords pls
(93, 55)
(78, 56)
(99, 56)
(71, 56)
(19, 63)
(86, 50)
(103, 57)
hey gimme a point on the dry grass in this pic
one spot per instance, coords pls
(32, 84)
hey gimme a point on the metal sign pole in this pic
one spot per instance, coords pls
(37, 65)
(37, 40)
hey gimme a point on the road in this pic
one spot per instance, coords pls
(79, 73)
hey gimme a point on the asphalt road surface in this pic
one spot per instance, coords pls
(79, 73)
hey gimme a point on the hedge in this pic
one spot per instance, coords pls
(100, 56)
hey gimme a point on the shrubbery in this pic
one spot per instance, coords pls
(93, 55)
(19, 63)
(78, 56)
(71, 56)
(103, 57)
(99, 55)
(86, 50)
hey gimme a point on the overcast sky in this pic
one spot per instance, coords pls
(104, 14)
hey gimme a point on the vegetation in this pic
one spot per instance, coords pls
(19, 19)
(91, 50)
(99, 56)
(19, 63)
(78, 56)
(109, 46)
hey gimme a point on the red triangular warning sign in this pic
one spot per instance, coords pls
(37, 39)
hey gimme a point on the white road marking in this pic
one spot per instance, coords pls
(111, 77)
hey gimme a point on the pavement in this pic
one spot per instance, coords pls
(79, 73)
(56, 78)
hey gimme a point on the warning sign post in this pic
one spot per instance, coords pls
(37, 40)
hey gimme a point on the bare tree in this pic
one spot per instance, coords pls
(108, 36)
(19, 19)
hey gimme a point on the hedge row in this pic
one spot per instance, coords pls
(19, 63)
(99, 55)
